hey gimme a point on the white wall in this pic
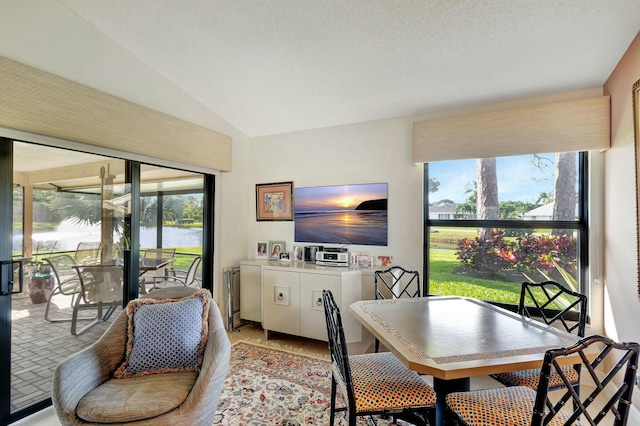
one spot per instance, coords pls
(372, 152)
(621, 305)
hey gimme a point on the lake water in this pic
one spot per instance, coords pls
(67, 236)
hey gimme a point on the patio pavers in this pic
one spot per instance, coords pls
(39, 345)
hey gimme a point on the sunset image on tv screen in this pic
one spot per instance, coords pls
(342, 214)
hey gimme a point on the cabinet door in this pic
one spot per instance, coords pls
(281, 301)
(251, 293)
(312, 320)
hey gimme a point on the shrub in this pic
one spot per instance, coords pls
(526, 254)
(489, 255)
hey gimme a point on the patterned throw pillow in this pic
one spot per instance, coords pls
(165, 336)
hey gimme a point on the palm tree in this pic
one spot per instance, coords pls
(564, 205)
(487, 202)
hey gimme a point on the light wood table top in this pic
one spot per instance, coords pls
(452, 337)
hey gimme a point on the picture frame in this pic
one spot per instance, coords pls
(385, 261)
(274, 201)
(365, 261)
(297, 253)
(285, 256)
(275, 248)
(262, 250)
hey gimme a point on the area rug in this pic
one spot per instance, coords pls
(270, 386)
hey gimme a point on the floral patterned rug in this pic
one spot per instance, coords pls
(270, 386)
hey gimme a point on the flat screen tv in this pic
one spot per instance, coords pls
(341, 214)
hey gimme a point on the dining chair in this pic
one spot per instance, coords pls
(608, 401)
(374, 383)
(394, 283)
(555, 305)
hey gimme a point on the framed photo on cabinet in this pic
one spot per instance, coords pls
(285, 256)
(262, 250)
(275, 248)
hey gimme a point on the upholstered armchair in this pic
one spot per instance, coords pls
(85, 391)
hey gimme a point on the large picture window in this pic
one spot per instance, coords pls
(492, 223)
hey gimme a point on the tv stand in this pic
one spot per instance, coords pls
(287, 297)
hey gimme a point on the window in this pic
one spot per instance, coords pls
(491, 224)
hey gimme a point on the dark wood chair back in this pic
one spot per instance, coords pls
(338, 349)
(397, 282)
(608, 396)
(555, 305)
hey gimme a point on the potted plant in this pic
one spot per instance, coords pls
(40, 280)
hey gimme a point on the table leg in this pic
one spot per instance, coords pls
(443, 388)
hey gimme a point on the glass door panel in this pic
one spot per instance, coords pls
(171, 224)
(68, 223)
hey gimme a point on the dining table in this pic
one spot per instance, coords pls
(453, 338)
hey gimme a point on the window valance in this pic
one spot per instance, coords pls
(576, 125)
(36, 101)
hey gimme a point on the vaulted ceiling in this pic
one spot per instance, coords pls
(277, 66)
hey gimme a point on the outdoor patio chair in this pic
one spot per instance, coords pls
(187, 278)
(555, 305)
(87, 253)
(67, 283)
(159, 255)
(154, 256)
(100, 289)
(374, 383)
(520, 405)
(395, 283)
(90, 286)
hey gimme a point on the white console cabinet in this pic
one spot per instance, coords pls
(291, 299)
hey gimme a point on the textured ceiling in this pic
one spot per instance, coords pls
(278, 66)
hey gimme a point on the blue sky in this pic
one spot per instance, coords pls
(515, 178)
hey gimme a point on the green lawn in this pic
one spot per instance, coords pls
(442, 280)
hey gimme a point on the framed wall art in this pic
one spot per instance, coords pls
(274, 201)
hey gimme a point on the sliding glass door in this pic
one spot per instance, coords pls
(85, 216)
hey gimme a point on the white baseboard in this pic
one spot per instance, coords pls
(45, 417)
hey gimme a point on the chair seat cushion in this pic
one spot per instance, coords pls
(530, 378)
(136, 398)
(502, 406)
(382, 382)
